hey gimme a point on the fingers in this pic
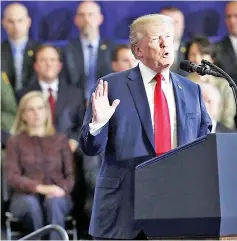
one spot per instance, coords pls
(99, 90)
(115, 103)
(105, 93)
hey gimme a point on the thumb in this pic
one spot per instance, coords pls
(115, 103)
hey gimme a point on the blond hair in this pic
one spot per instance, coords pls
(139, 25)
(20, 126)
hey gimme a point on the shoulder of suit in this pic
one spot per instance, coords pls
(73, 43)
(33, 44)
(183, 79)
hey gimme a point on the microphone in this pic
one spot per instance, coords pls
(200, 69)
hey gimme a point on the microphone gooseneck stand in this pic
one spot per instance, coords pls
(226, 76)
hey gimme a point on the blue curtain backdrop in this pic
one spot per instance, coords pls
(53, 20)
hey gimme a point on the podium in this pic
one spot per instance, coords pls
(190, 191)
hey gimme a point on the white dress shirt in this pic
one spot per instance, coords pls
(86, 52)
(45, 88)
(167, 87)
(149, 84)
(233, 41)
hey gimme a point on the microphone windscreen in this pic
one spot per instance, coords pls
(185, 65)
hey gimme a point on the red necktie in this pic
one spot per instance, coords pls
(161, 119)
(52, 103)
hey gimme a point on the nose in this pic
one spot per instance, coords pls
(163, 42)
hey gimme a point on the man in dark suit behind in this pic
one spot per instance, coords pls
(180, 46)
(66, 102)
(227, 48)
(135, 115)
(17, 52)
(88, 57)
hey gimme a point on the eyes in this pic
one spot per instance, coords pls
(156, 39)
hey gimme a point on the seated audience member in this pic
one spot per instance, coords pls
(180, 46)
(66, 102)
(123, 58)
(227, 47)
(88, 57)
(38, 167)
(200, 48)
(17, 52)
(212, 98)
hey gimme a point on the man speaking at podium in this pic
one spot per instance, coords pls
(135, 115)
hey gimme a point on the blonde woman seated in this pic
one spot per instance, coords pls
(38, 167)
(200, 48)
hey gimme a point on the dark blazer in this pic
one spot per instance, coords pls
(32, 160)
(73, 60)
(226, 58)
(69, 111)
(7, 62)
(128, 140)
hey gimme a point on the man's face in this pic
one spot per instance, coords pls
(16, 22)
(178, 19)
(125, 60)
(231, 18)
(88, 17)
(48, 65)
(156, 49)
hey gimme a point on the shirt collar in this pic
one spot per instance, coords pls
(20, 45)
(148, 74)
(233, 38)
(45, 86)
(94, 43)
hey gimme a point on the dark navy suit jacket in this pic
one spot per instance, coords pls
(127, 140)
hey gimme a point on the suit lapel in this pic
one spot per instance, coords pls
(100, 59)
(230, 50)
(28, 55)
(137, 89)
(10, 63)
(180, 108)
(60, 98)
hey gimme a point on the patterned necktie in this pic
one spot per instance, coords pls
(18, 62)
(52, 103)
(162, 130)
(91, 79)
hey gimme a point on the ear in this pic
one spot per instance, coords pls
(75, 20)
(4, 24)
(114, 66)
(101, 19)
(35, 67)
(138, 51)
(29, 22)
(60, 66)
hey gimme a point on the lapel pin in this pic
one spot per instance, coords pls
(5, 78)
(103, 47)
(30, 53)
(180, 87)
(183, 50)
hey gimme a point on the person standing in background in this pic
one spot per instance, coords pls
(180, 46)
(17, 52)
(88, 57)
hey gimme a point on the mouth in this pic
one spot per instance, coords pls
(165, 55)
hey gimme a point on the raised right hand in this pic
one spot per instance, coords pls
(101, 109)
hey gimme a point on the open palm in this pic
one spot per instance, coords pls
(101, 109)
